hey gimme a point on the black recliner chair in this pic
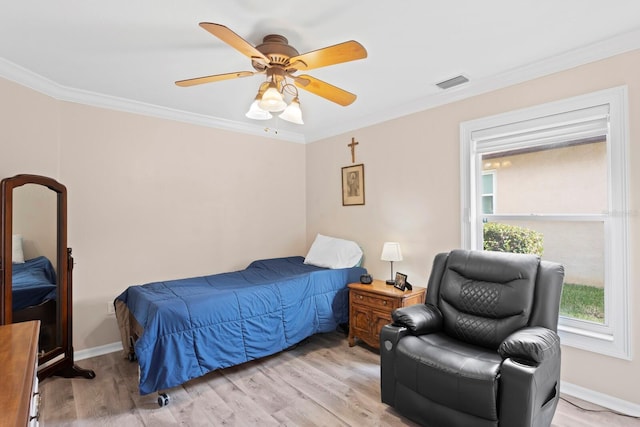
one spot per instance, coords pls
(483, 349)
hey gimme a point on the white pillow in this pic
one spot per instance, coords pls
(331, 252)
(16, 246)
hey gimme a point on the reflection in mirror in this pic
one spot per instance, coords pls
(35, 261)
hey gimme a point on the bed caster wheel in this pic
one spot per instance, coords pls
(163, 399)
(132, 357)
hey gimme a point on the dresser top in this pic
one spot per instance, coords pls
(18, 355)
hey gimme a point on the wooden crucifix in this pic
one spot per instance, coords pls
(353, 149)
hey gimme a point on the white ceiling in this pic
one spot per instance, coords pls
(126, 54)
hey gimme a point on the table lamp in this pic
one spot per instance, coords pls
(391, 252)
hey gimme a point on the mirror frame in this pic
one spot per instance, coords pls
(58, 360)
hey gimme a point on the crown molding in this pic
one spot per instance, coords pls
(34, 81)
(584, 55)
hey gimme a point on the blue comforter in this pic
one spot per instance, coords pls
(194, 326)
(33, 282)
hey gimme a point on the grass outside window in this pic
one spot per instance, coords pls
(582, 302)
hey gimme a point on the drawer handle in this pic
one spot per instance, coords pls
(384, 302)
(359, 296)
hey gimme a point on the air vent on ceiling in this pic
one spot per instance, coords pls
(458, 80)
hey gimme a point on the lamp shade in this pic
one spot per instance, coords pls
(293, 113)
(391, 252)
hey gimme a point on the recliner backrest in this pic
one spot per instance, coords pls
(484, 296)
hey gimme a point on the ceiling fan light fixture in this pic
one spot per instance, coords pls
(280, 61)
(293, 113)
(257, 113)
(272, 99)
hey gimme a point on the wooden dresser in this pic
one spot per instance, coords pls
(18, 361)
(370, 308)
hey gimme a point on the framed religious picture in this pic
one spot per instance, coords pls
(353, 185)
(401, 281)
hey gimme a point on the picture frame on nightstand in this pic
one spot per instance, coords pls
(401, 281)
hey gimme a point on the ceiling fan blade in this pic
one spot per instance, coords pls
(325, 90)
(214, 78)
(336, 54)
(235, 41)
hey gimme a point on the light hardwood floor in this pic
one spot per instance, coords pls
(322, 382)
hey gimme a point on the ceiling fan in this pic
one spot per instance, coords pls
(280, 61)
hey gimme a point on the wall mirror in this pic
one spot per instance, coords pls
(37, 266)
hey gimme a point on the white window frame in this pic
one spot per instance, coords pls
(581, 116)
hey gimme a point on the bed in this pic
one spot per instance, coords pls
(182, 329)
(33, 283)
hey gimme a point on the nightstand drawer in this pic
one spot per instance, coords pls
(375, 301)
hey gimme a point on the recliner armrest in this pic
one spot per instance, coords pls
(529, 377)
(389, 337)
(532, 344)
(419, 319)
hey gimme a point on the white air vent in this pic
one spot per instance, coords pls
(458, 80)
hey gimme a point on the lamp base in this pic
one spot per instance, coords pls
(390, 282)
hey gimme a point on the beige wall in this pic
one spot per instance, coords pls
(29, 132)
(152, 199)
(412, 181)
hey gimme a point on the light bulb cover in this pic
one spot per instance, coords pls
(257, 113)
(293, 113)
(272, 99)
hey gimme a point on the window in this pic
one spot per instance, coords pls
(558, 173)
(488, 184)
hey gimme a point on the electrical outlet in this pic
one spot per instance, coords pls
(110, 308)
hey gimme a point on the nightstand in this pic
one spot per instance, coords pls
(370, 308)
